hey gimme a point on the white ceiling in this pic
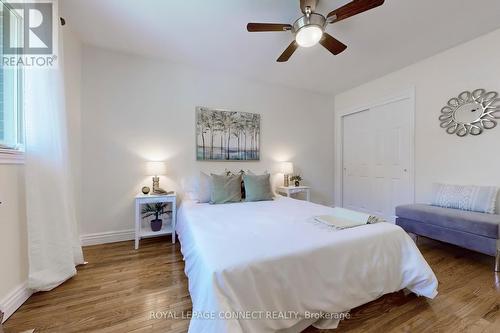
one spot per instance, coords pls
(212, 34)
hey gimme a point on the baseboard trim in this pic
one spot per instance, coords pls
(15, 299)
(107, 237)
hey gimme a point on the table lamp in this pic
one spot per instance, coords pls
(286, 169)
(156, 169)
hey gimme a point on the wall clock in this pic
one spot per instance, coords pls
(471, 113)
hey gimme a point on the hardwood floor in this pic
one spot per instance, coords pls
(119, 287)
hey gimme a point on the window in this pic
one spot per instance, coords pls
(11, 92)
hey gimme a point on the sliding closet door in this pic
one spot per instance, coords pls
(357, 161)
(377, 157)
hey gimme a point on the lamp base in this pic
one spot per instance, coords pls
(156, 183)
(156, 186)
(286, 181)
(161, 191)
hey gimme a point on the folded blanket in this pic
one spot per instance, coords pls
(342, 218)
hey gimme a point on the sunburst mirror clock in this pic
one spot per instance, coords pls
(471, 113)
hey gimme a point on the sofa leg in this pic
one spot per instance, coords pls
(497, 261)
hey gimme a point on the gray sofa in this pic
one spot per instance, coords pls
(475, 231)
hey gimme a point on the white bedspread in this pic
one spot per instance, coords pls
(271, 258)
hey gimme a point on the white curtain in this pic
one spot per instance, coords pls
(53, 242)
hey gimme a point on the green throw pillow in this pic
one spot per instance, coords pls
(257, 188)
(225, 189)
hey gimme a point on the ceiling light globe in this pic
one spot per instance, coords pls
(309, 35)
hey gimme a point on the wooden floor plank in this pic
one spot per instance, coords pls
(120, 288)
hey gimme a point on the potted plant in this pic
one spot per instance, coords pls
(156, 209)
(296, 179)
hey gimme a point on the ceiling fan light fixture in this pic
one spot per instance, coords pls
(309, 35)
(309, 29)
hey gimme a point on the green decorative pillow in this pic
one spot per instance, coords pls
(258, 188)
(225, 189)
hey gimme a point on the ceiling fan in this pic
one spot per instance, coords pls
(309, 29)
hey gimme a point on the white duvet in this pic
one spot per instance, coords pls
(267, 266)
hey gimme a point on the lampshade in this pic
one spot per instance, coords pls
(156, 168)
(286, 168)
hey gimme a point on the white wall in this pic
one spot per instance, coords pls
(137, 109)
(72, 85)
(441, 157)
(13, 236)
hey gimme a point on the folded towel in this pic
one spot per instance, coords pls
(352, 215)
(342, 218)
(338, 223)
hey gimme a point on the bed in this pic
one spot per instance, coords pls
(269, 267)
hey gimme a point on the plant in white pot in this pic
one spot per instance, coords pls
(156, 209)
(296, 179)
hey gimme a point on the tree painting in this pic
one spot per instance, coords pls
(227, 135)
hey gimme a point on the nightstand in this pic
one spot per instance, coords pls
(289, 190)
(142, 228)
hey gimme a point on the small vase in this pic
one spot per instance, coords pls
(156, 225)
(297, 183)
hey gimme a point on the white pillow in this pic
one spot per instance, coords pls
(471, 198)
(204, 188)
(190, 196)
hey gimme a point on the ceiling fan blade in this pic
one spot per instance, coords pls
(308, 3)
(331, 44)
(262, 27)
(288, 52)
(352, 8)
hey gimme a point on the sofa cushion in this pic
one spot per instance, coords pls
(475, 223)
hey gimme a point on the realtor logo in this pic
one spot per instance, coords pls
(27, 28)
(29, 33)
